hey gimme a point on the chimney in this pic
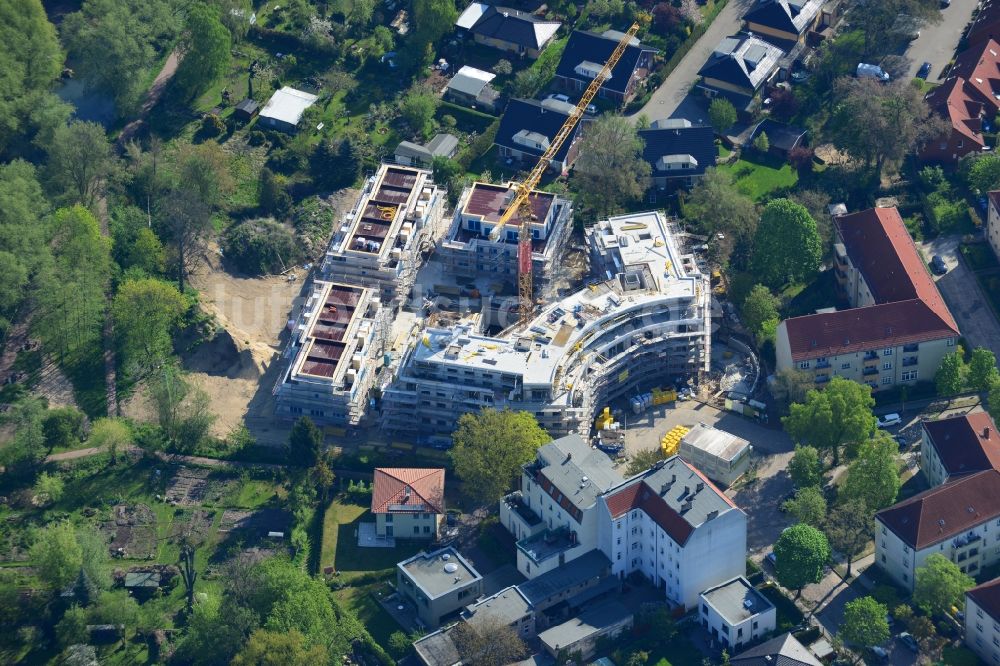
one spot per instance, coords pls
(686, 506)
(986, 432)
(687, 490)
(712, 514)
(569, 456)
(699, 487)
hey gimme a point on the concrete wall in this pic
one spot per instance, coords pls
(408, 525)
(430, 611)
(993, 227)
(982, 632)
(930, 462)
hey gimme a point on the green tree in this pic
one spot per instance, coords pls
(274, 198)
(864, 622)
(805, 467)
(716, 206)
(643, 460)
(993, 401)
(611, 170)
(186, 221)
(116, 608)
(146, 312)
(761, 143)
(417, 109)
(490, 448)
(23, 455)
(839, 414)
(950, 377)
(786, 246)
(56, 555)
(801, 552)
(182, 410)
(94, 557)
(759, 307)
(849, 529)
(939, 585)
(982, 172)
(983, 371)
(23, 247)
(808, 506)
(790, 386)
(63, 427)
(873, 478)
(72, 628)
(432, 19)
(305, 442)
(721, 115)
(205, 44)
(270, 648)
(235, 15)
(80, 161)
(49, 488)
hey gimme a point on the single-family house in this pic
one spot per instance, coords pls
(781, 137)
(897, 328)
(979, 65)
(526, 130)
(738, 68)
(961, 104)
(785, 22)
(408, 503)
(783, 650)
(438, 584)
(471, 87)
(958, 446)
(416, 154)
(285, 108)
(677, 151)
(584, 58)
(735, 614)
(507, 29)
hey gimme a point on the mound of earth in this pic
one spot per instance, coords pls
(223, 356)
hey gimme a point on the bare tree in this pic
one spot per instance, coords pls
(611, 169)
(488, 642)
(188, 573)
(186, 220)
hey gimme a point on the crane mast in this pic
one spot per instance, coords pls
(522, 190)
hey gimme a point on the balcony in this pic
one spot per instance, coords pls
(910, 361)
(822, 379)
(547, 544)
(911, 348)
(871, 356)
(870, 370)
(515, 502)
(820, 365)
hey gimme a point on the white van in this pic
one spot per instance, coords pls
(866, 71)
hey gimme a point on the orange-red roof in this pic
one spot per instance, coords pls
(959, 102)
(965, 444)
(408, 490)
(979, 65)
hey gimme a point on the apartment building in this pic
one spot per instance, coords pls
(982, 621)
(647, 318)
(993, 221)
(380, 243)
(468, 251)
(553, 516)
(408, 503)
(331, 355)
(959, 520)
(958, 446)
(897, 327)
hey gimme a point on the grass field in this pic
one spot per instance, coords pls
(340, 542)
(759, 177)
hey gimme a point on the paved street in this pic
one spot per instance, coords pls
(962, 294)
(674, 91)
(937, 41)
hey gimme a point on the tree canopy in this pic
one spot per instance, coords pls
(801, 552)
(939, 585)
(849, 528)
(982, 373)
(721, 114)
(56, 555)
(830, 418)
(805, 467)
(716, 206)
(146, 312)
(489, 449)
(873, 477)
(205, 45)
(786, 246)
(864, 622)
(950, 377)
(808, 506)
(611, 170)
(760, 307)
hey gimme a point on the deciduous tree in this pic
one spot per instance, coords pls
(849, 529)
(790, 386)
(759, 307)
(864, 622)
(983, 371)
(805, 467)
(490, 448)
(56, 555)
(939, 585)
(417, 109)
(611, 170)
(786, 246)
(305, 442)
(185, 221)
(270, 648)
(146, 313)
(488, 642)
(801, 552)
(837, 415)
(981, 172)
(716, 206)
(80, 161)
(873, 478)
(721, 114)
(808, 506)
(205, 46)
(950, 377)
(182, 409)
(643, 460)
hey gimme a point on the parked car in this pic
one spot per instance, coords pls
(867, 71)
(591, 109)
(924, 71)
(889, 420)
(559, 97)
(938, 265)
(945, 4)
(909, 641)
(772, 559)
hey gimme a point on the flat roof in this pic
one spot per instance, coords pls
(592, 564)
(381, 210)
(715, 442)
(326, 338)
(438, 649)
(737, 600)
(506, 606)
(592, 621)
(488, 202)
(439, 572)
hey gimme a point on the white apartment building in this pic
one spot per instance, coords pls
(331, 355)
(897, 328)
(380, 243)
(958, 446)
(993, 221)
(675, 528)
(982, 621)
(648, 319)
(959, 520)
(467, 250)
(735, 614)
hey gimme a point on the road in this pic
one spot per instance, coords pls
(962, 294)
(673, 92)
(936, 43)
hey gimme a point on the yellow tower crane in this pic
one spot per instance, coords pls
(521, 200)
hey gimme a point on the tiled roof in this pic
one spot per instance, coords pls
(965, 444)
(698, 142)
(530, 115)
(962, 105)
(987, 597)
(909, 308)
(785, 15)
(784, 650)
(592, 47)
(986, 25)
(743, 60)
(511, 25)
(663, 493)
(980, 66)
(946, 511)
(408, 489)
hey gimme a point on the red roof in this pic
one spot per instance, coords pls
(638, 495)
(408, 490)
(987, 597)
(909, 308)
(986, 25)
(965, 444)
(946, 511)
(980, 66)
(962, 105)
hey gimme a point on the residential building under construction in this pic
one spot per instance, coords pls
(646, 323)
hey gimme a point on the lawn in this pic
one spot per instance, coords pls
(359, 599)
(678, 652)
(761, 176)
(340, 542)
(803, 299)
(979, 256)
(959, 656)
(789, 615)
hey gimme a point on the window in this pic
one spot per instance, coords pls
(906, 578)
(755, 625)
(887, 351)
(427, 529)
(979, 627)
(804, 365)
(951, 342)
(704, 609)
(887, 366)
(845, 366)
(908, 375)
(416, 529)
(886, 380)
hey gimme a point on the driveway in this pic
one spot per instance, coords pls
(937, 41)
(671, 99)
(962, 294)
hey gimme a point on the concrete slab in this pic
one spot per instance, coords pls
(367, 537)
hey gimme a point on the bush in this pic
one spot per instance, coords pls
(801, 158)
(256, 138)
(261, 246)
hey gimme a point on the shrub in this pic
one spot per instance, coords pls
(260, 246)
(212, 125)
(801, 158)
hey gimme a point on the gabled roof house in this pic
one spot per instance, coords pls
(587, 52)
(507, 29)
(528, 127)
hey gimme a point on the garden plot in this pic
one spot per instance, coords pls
(132, 531)
(194, 487)
(261, 520)
(191, 526)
